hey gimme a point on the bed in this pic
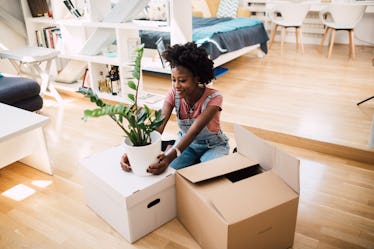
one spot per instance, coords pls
(225, 38)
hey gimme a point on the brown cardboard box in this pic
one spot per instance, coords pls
(258, 211)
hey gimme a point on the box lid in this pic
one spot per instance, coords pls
(105, 166)
(216, 167)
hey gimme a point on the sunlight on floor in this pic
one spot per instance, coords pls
(41, 183)
(18, 192)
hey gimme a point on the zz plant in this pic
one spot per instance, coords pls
(141, 120)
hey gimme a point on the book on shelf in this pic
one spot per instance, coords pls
(47, 31)
(71, 8)
(38, 8)
(49, 37)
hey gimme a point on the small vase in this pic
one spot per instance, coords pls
(140, 157)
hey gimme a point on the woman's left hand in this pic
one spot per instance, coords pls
(160, 166)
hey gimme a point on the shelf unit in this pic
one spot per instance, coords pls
(76, 33)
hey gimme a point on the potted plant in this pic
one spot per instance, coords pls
(142, 122)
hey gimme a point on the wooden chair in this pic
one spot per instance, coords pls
(341, 17)
(288, 15)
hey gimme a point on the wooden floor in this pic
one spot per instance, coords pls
(303, 96)
(336, 208)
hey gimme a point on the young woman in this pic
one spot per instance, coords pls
(197, 108)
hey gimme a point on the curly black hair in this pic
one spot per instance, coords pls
(193, 58)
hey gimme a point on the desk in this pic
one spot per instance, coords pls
(22, 138)
(33, 57)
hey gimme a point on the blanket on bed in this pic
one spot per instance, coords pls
(239, 33)
(221, 27)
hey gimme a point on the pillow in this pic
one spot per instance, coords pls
(228, 8)
(201, 5)
(1, 75)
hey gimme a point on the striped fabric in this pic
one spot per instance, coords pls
(227, 8)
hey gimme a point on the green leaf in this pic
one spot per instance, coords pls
(131, 84)
(131, 96)
(136, 75)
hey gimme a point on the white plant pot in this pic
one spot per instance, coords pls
(140, 157)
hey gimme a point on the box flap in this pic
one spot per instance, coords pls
(250, 197)
(288, 167)
(251, 146)
(216, 167)
(269, 156)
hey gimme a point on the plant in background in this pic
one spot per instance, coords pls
(141, 120)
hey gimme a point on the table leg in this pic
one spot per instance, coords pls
(45, 81)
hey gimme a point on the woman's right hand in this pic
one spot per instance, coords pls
(125, 164)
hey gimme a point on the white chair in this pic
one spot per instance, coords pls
(288, 15)
(341, 17)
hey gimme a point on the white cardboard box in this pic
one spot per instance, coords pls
(133, 205)
(231, 202)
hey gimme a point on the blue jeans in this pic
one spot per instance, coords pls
(202, 151)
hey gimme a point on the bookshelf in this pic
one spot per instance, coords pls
(119, 40)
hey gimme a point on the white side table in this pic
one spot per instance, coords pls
(22, 138)
(33, 57)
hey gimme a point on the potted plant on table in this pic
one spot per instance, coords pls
(142, 142)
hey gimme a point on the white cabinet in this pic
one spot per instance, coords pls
(113, 43)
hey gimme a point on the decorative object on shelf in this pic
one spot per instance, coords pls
(114, 80)
(142, 122)
(156, 10)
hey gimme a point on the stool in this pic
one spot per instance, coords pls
(33, 57)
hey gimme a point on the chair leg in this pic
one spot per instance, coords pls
(274, 31)
(297, 38)
(282, 38)
(300, 39)
(352, 51)
(359, 103)
(323, 39)
(332, 38)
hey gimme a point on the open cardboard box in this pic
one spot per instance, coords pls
(244, 200)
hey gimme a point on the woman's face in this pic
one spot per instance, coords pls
(184, 82)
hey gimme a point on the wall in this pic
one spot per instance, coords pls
(9, 38)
